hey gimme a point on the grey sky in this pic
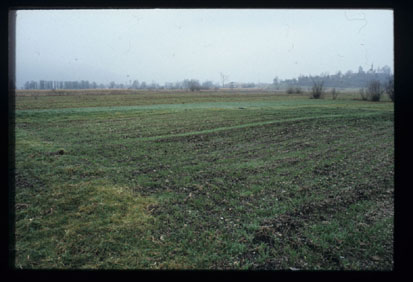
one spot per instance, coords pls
(170, 45)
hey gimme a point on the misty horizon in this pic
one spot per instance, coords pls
(166, 46)
(377, 69)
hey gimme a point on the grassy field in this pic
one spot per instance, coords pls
(210, 180)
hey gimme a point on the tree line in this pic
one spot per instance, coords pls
(44, 84)
(349, 79)
(189, 84)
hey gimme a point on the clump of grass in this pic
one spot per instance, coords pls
(84, 225)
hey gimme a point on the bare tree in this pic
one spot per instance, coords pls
(224, 77)
(194, 85)
(135, 84)
(207, 85)
(317, 90)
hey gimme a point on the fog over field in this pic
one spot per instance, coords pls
(167, 45)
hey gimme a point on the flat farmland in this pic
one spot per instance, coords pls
(211, 180)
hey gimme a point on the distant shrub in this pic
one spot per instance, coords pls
(374, 91)
(363, 94)
(294, 90)
(298, 90)
(317, 90)
(389, 88)
(194, 85)
(334, 93)
(290, 90)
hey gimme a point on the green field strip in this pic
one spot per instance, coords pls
(207, 105)
(153, 138)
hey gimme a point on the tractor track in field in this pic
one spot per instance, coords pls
(173, 137)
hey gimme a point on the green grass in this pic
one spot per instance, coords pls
(217, 180)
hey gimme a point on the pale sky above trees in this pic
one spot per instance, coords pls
(168, 45)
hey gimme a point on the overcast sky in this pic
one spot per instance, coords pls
(169, 45)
